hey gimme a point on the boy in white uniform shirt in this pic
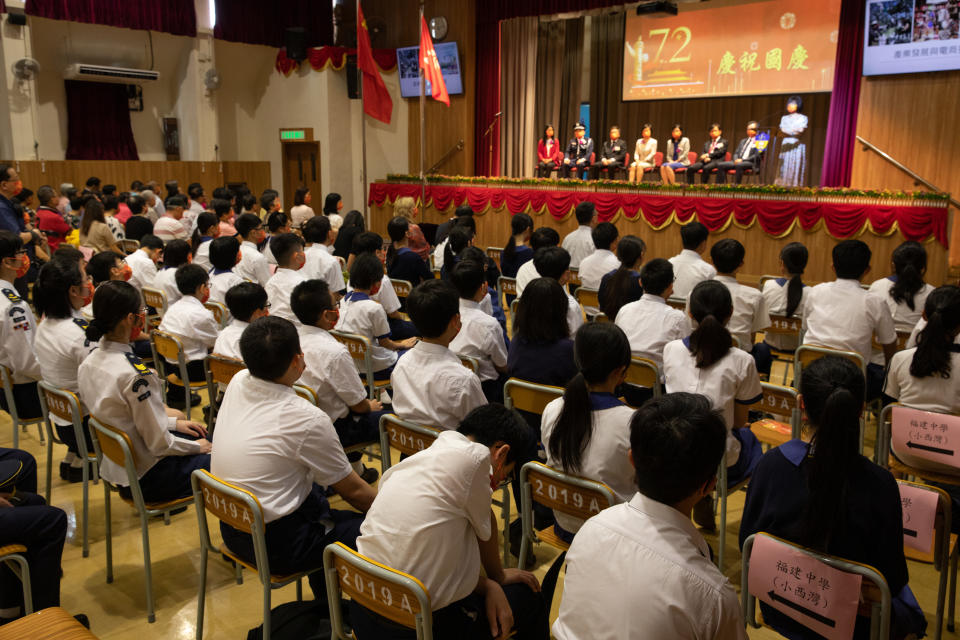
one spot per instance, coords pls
(641, 569)
(193, 324)
(18, 328)
(554, 263)
(539, 239)
(688, 267)
(749, 306)
(359, 314)
(603, 260)
(480, 334)
(331, 373)
(253, 265)
(288, 248)
(579, 243)
(841, 315)
(321, 264)
(209, 228)
(225, 257)
(372, 243)
(246, 301)
(276, 445)
(143, 261)
(176, 253)
(445, 537)
(430, 384)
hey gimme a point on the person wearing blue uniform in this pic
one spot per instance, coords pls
(577, 159)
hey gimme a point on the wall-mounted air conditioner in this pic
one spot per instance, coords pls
(101, 73)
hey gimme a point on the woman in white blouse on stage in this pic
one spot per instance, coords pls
(644, 153)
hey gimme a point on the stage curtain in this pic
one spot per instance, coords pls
(506, 9)
(98, 122)
(842, 126)
(518, 81)
(259, 22)
(550, 52)
(606, 44)
(488, 98)
(178, 17)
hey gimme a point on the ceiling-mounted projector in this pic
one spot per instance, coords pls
(661, 6)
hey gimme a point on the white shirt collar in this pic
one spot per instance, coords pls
(247, 243)
(848, 282)
(7, 284)
(468, 304)
(430, 347)
(669, 515)
(730, 279)
(690, 253)
(652, 298)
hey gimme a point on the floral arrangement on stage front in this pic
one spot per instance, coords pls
(762, 189)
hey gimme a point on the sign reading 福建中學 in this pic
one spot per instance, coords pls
(923, 434)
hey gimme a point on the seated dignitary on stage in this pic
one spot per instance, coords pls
(745, 157)
(577, 160)
(613, 155)
(432, 520)
(644, 153)
(549, 155)
(677, 155)
(714, 151)
(276, 445)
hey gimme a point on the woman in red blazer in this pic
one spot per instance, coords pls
(549, 153)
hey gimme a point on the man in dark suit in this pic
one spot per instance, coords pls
(746, 156)
(577, 158)
(714, 151)
(613, 156)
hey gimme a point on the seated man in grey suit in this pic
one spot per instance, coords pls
(745, 156)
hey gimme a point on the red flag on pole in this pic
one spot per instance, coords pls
(376, 99)
(431, 66)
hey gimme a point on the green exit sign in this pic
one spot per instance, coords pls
(293, 134)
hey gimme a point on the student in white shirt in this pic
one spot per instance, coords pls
(786, 296)
(60, 292)
(706, 363)
(246, 301)
(445, 538)
(587, 431)
(176, 253)
(194, 325)
(554, 263)
(331, 373)
(905, 292)
(749, 306)
(688, 267)
(480, 334)
(253, 265)
(288, 249)
(278, 446)
(121, 391)
(579, 243)
(372, 243)
(277, 224)
(430, 384)
(361, 315)
(640, 569)
(841, 315)
(208, 228)
(603, 260)
(225, 256)
(540, 239)
(170, 225)
(321, 264)
(17, 328)
(143, 261)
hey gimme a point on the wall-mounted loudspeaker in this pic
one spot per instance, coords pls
(353, 83)
(295, 40)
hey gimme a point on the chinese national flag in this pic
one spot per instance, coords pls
(376, 99)
(431, 66)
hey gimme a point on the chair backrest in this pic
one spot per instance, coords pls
(306, 393)
(922, 434)
(575, 280)
(782, 325)
(494, 254)
(129, 245)
(778, 400)
(359, 348)
(507, 287)
(167, 345)
(529, 396)
(678, 303)
(114, 444)
(765, 277)
(806, 353)
(219, 312)
(927, 513)
(903, 334)
(587, 297)
(692, 155)
(391, 594)
(155, 298)
(62, 403)
(821, 592)
(407, 437)
(402, 287)
(643, 372)
(658, 158)
(575, 496)
(601, 317)
(222, 369)
(469, 362)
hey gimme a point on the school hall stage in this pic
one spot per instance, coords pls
(763, 218)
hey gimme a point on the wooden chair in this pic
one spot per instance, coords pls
(6, 375)
(128, 245)
(494, 254)
(723, 492)
(692, 156)
(643, 372)
(589, 300)
(654, 171)
(115, 445)
(219, 372)
(402, 287)
(514, 306)
(874, 592)
(167, 348)
(65, 405)
(241, 510)
(219, 312)
(391, 594)
(53, 623)
(572, 495)
(506, 287)
(781, 325)
(575, 280)
(529, 396)
(780, 402)
(678, 303)
(155, 298)
(765, 277)
(12, 556)
(359, 348)
(311, 396)
(903, 334)
(806, 354)
(469, 362)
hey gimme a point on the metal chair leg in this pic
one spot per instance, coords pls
(202, 595)
(49, 469)
(299, 590)
(505, 513)
(266, 612)
(86, 507)
(953, 590)
(148, 574)
(106, 511)
(23, 572)
(238, 568)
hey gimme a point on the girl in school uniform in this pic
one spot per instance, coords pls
(824, 495)
(785, 296)
(904, 291)
(587, 431)
(518, 250)
(622, 286)
(707, 363)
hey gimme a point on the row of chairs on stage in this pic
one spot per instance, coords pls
(650, 174)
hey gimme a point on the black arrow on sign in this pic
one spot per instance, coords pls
(948, 452)
(910, 532)
(796, 607)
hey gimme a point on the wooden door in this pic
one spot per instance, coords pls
(301, 168)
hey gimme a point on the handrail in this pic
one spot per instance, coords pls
(446, 156)
(869, 146)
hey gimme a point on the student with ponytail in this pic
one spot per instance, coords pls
(516, 251)
(208, 228)
(622, 285)
(402, 262)
(121, 391)
(461, 237)
(904, 291)
(61, 345)
(825, 495)
(785, 296)
(707, 363)
(587, 431)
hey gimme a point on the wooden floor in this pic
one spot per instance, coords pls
(118, 610)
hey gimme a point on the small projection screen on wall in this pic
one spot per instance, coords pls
(408, 64)
(724, 49)
(911, 36)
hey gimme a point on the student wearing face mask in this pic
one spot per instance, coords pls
(17, 328)
(290, 255)
(11, 219)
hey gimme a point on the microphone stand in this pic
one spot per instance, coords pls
(489, 132)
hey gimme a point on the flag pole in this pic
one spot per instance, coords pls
(363, 126)
(423, 131)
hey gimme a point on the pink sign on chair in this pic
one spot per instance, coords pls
(919, 516)
(798, 585)
(932, 436)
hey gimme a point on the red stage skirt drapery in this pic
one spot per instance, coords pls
(322, 57)
(776, 215)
